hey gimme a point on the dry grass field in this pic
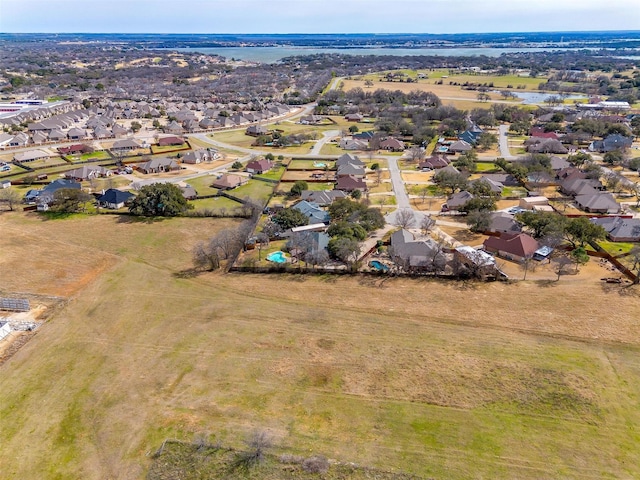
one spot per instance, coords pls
(441, 379)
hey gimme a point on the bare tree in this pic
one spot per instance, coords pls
(10, 197)
(416, 154)
(405, 218)
(206, 256)
(560, 263)
(634, 257)
(527, 264)
(427, 224)
(257, 445)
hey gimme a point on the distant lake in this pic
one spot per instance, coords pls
(274, 54)
(534, 97)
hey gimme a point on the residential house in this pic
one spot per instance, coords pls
(353, 144)
(512, 246)
(494, 186)
(40, 137)
(470, 136)
(259, 166)
(31, 155)
(159, 165)
(545, 145)
(125, 145)
(5, 139)
(76, 149)
(199, 156)
(256, 130)
(349, 169)
(416, 255)
(460, 146)
(322, 197)
(534, 202)
(313, 212)
(348, 158)
(434, 162)
(598, 202)
(189, 192)
(311, 119)
(19, 140)
(114, 199)
(171, 141)
(350, 183)
(456, 201)
(353, 117)
(174, 128)
(581, 186)
(611, 143)
(229, 181)
(57, 136)
(207, 123)
(46, 195)
(119, 131)
(538, 132)
(77, 134)
(477, 263)
(87, 172)
(502, 222)
(392, 144)
(620, 229)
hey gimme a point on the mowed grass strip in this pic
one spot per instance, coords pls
(471, 380)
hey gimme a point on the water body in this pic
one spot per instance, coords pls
(274, 54)
(531, 98)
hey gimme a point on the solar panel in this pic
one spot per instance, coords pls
(15, 304)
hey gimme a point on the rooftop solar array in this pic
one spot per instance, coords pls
(14, 304)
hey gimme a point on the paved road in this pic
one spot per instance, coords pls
(402, 199)
(504, 143)
(326, 137)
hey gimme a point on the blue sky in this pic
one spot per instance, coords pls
(316, 16)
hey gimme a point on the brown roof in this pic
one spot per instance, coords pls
(521, 244)
(229, 180)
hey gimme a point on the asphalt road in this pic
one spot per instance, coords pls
(402, 199)
(504, 143)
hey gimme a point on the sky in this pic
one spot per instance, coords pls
(316, 16)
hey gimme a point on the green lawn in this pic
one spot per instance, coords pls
(215, 203)
(514, 192)
(93, 155)
(203, 184)
(255, 190)
(156, 149)
(486, 167)
(273, 174)
(617, 248)
(13, 169)
(311, 164)
(331, 148)
(432, 190)
(46, 162)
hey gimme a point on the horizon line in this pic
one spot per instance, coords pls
(318, 33)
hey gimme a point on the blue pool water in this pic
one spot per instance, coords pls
(277, 257)
(381, 267)
(319, 165)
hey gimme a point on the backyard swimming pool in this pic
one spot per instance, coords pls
(381, 267)
(277, 257)
(319, 165)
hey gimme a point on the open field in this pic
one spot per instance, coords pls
(527, 380)
(444, 91)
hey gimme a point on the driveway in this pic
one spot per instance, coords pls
(504, 143)
(402, 199)
(326, 137)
